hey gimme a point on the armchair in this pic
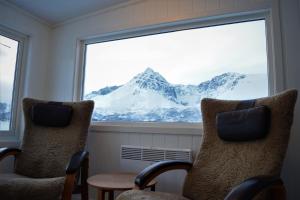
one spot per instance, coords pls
(236, 162)
(51, 158)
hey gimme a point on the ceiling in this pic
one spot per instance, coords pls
(58, 11)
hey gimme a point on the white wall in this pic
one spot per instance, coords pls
(105, 153)
(105, 146)
(290, 20)
(38, 51)
(35, 78)
(137, 14)
(57, 80)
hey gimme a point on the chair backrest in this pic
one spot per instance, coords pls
(46, 150)
(220, 165)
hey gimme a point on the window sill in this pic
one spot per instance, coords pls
(148, 127)
(9, 141)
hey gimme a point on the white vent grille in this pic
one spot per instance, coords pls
(177, 155)
(154, 154)
(131, 153)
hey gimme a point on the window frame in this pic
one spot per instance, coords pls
(15, 121)
(274, 65)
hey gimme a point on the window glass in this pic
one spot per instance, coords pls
(163, 77)
(8, 58)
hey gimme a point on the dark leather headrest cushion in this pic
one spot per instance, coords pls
(53, 114)
(244, 125)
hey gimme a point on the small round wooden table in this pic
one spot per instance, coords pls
(108, 183)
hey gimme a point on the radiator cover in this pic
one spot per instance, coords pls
(154, 154)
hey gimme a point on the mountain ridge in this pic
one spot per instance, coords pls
(148, 96)
(149, 79)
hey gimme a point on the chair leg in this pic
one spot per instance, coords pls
(68, 187)
(84, 176)
(278, 192)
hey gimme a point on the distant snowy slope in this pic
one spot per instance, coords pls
(4, 112)
(102, 91)
(150, 97)
(131, 98)
(248, 88)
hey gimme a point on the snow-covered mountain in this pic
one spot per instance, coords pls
(4, 112)
(150, 97)
(102, 91)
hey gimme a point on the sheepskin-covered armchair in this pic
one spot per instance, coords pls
(241, 155)
(52, 156)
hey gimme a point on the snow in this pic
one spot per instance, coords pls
(149, 97)
(253, 86)
(4, 125)
(132, 99)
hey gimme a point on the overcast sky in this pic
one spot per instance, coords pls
(8, 53)
(182, 57)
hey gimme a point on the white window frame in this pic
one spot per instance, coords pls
(274, 60)
(15, 121)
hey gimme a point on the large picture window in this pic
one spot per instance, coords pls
(163, 77)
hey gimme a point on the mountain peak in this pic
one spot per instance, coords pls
(149, 73)
(149, 70)
(230, 79)
(149, 79)
(149, 76)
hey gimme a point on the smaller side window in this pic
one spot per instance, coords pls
(10, 59)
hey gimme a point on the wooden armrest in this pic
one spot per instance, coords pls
(149, 173)
(248, 189)
(76, 162)
(7, 151)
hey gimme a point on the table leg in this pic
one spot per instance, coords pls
(101, 194)
(152, 188)
(111, 195)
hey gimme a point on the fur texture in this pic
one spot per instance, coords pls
(18, 187)
(40, 167)
(221, 165)
(144, 195)
(47, 150)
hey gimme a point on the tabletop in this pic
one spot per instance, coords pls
(115, 181)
